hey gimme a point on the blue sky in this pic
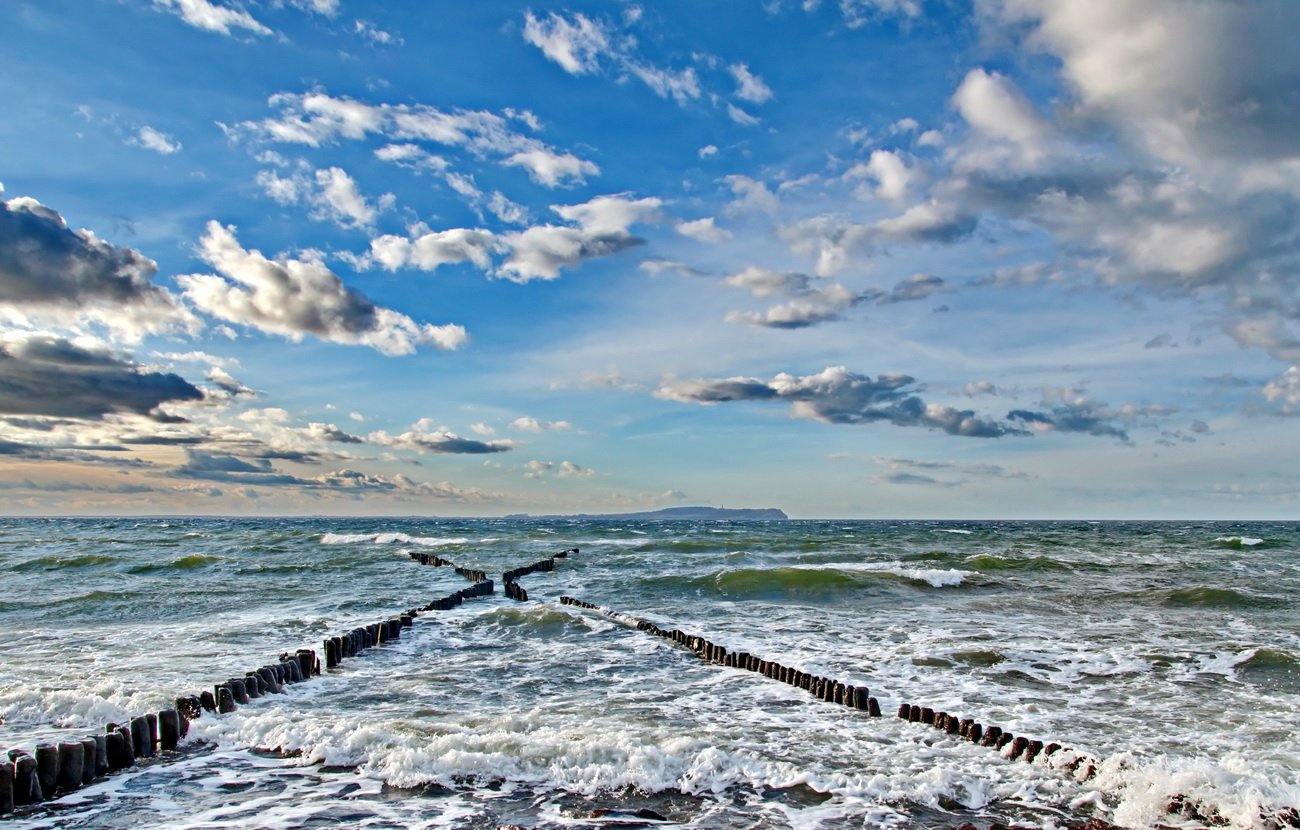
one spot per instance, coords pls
(866, 258)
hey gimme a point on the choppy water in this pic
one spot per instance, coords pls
(1170, 649)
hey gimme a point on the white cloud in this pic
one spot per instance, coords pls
(995, 106)
(894, 179)
(741, 117)
(316, 119)
(412, 156)
(751, 195)
(703, 230)
(553, 169)
(708, 151)
(683, 85)
(1284, 392)
(750, 86)
(808, 307)
(210, 17)
(376, 36)
(295, 297)
(540, 252)
(580, 45)
(576, 45)
(151, 139)
(528, 424)
(429, 250)
(332, 194)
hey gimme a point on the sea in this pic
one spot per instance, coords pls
(1169, 652)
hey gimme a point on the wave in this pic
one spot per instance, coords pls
(390, 539)
(796, 581)
(185, 563)
(1239, 542)
(1202, 597)
(54, 563)
(958, 531)
(993, 562)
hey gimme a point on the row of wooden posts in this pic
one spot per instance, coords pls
(1011, 746)
(55, 769)
(514, 590)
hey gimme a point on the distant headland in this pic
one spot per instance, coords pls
(693, 514)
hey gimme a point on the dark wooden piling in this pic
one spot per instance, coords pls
(27, 784)
(139, 731)
(89, 746)
(169, 729)
(6, 788)
(238, 690)
(72, 759)
(991, 736)
(225, 699)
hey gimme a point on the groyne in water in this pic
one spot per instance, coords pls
(852, 718)
(54, 770)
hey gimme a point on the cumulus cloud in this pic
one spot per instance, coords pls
(809, 305)
(838, 396)
(547, 167)
(331, 434)
(316, 119)
(528, 424)
(42, 374)
(565, 469)
(1167, 161)
(893, 178)
(1283, 393)
(52, 272)
(703, 230)
(332, 194)
(296, 297)
(977, 388)
(597, 228)
(425, 440)
(427, 251)
(996, 108)
(751, 194)
(1071, 410)
(202, 14)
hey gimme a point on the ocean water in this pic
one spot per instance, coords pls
(1170, 651)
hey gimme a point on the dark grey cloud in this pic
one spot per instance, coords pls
(214, 466)
(915, 287)
(1072, 413)
(838, 396)
(46, 375)
(78, 486)
(73, 277)
(439, 441)
(42, 261)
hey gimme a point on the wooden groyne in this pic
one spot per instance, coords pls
(1012, 747)
(56, 769)
(514, 590)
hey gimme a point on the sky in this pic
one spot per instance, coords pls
(847, 258)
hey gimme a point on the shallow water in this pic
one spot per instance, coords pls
(1170, 650)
